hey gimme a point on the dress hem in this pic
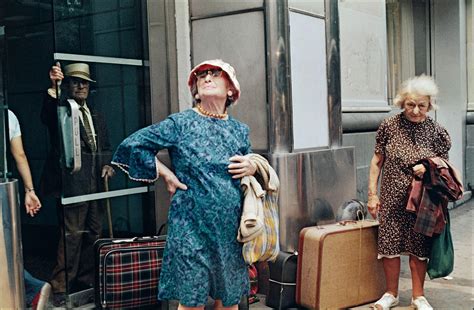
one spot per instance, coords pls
(380, 256)
(175, 298)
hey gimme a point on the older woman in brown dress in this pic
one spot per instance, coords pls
(401, 141)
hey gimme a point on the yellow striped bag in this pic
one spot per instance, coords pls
(266, 246)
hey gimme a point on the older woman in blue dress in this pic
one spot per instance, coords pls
(207, 147)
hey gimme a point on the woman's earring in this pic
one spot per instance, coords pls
(196, 96)
(229, 93)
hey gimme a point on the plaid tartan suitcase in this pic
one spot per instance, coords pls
(127, 271)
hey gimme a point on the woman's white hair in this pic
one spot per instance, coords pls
(422, 85)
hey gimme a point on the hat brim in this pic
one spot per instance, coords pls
(81, 76)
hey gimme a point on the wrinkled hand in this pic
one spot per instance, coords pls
(56, 74)
(241, 166)
(373, 205)
(419, 170)
(107, 171)
(32, 203)
(172, 184)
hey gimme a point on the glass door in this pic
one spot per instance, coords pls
(101, 47)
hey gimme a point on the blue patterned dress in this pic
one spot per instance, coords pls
(202, 256)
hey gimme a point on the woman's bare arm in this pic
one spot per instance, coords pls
(32, 202)
(373, 203)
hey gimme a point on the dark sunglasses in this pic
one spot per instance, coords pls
(213, 72)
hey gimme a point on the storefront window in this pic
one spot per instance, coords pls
(110, 37)
(109, 28)
(408, 40)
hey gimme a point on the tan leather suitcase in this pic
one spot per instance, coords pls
(338, 266)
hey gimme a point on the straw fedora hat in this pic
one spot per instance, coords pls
(79, 70)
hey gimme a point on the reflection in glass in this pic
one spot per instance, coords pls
(102, 28)
(34, 31)
(407, 32)
(115, 105)
(81, 221)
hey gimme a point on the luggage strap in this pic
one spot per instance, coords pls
(361, 222)
(282, 283)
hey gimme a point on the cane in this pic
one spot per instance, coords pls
(107, 206)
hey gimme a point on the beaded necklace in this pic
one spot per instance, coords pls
(210, 114)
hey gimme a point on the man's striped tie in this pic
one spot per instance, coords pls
(87, 128)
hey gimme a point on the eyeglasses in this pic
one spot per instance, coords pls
(421, 106)
(213, 72)
(76, 81)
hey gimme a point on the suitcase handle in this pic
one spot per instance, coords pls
(344, 223)
(135, 239)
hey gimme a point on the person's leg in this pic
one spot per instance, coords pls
(93, 230)
(418, 272)
(37, 292)
(391, 267)
(58, 276)
(32, 286)
(218, 305)
(69, 247)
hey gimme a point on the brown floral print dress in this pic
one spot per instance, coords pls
(403, 143)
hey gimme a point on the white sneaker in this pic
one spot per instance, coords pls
(421, 303)
(386, 302)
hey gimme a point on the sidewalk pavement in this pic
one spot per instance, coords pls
(456, 293)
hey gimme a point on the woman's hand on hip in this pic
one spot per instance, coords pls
(373, 205)
(172, 183)
(419, 170)
(171, 180)
(241, 166)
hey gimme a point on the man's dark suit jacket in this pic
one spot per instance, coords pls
(81, 182)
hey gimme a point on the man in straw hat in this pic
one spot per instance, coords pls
(81, 223)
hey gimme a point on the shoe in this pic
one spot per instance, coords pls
(386, 302)
(59, 299)
(41, 298)
(421, 303)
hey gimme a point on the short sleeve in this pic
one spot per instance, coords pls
(136, 154)
(381, 138)
(14, 126)
(442, 142)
